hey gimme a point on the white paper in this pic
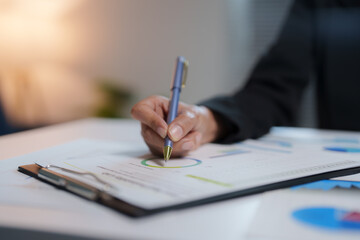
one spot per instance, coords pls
(274, 218)
(147, 182)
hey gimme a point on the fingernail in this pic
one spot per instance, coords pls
(187, 146)
(176, 132)
(162, 132)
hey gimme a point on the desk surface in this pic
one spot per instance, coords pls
(225, 220)
(26, 210)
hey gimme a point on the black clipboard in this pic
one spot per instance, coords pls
(96, 195)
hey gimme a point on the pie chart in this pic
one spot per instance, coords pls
(328, 218)
(172, 163)
(343, 149)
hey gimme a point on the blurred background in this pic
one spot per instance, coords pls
(62, 60)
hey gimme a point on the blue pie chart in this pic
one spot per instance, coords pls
(328, 218)
(343, 149)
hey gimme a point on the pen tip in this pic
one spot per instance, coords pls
(167, 153)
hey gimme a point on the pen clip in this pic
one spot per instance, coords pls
(185, 72)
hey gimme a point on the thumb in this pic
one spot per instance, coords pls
(182, 125)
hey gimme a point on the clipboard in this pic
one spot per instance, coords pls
(102, 197)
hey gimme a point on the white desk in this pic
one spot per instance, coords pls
(225, 220)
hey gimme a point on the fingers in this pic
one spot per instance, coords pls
(182, 125)
(153, 140)
(156, 144)
(189, 143)
(150, 112)
(185, 131)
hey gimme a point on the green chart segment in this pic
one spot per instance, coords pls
(210, 181)
(195, 162)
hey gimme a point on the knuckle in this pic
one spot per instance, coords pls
(153, 97)
(134, 110)
(190, 114)
(187, 121)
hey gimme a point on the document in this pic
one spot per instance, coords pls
(146, 181)
(311, 214)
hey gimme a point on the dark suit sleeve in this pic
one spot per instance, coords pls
(273, 93)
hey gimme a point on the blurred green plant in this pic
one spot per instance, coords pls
(115, 100)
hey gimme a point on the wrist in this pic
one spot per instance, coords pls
(211, 124)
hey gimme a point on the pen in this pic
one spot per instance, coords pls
(178, 83)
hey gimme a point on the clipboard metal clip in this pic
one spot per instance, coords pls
(71, 184)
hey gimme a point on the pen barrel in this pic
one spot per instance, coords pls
(178, 77)
(168, 142)
(176, 87)
(173, 105)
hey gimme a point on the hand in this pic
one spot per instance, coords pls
(193, 126)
